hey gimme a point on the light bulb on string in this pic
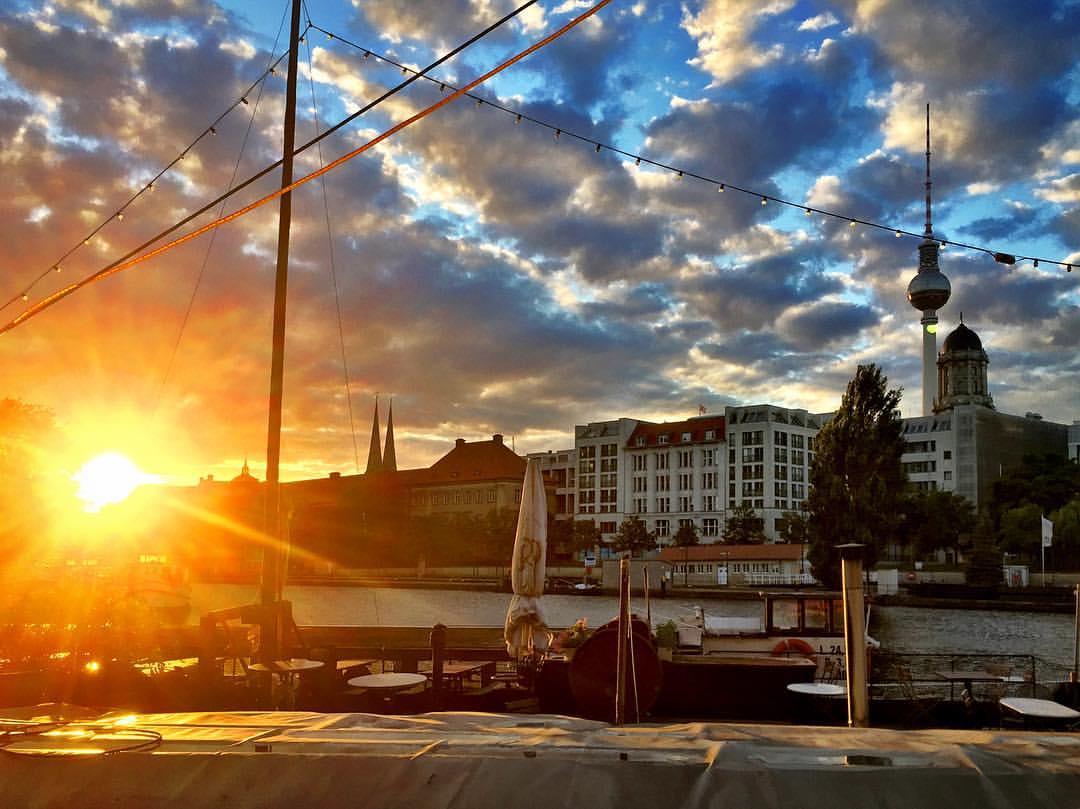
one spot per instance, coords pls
(764, 201)
(329, 36)
(367, 54)
(243, 100)
(119, 216)
(479, 102)
(898, 234)
(808, 212)
(637, 162)
(26, 296)
(1035, 264)
(213, 131)
(56, 268)
(851, 224)
(517, 120)
(720, 190)
(557, 133)
(598, 148)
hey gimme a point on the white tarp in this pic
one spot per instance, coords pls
(525, 626)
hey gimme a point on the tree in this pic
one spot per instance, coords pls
(634, 537)
(794, 527)
(937, 519)
(1021, 530)
(1049, 481)
(585, 536)
(687, 535)
(858, 482)
(1067, 534)
(984, 567)
(744, 527)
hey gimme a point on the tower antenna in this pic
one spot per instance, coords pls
(929, 227)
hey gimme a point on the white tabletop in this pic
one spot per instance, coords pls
(1041, 708)
(290, 666)
(818, 689)
(388, 679)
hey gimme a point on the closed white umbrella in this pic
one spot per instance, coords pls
(525, 629)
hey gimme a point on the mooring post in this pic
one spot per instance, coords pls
(622, 630)
(438, 652)
(851, 568)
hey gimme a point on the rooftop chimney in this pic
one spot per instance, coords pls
(460, 442)
(497, 438)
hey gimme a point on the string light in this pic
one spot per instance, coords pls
(517, 120)
(557, 133)
(25, 296)
(720, 190)
(479, 102)
(679, 175)
(243, 100)
(213, 131)
(899, 234)
(808, 212)
(56, 268)
(637, 162)
(598, 148)
(764, 201)
(1036, 264)
(119, 217)
(851, 224)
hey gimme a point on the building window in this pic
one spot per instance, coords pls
(708, 480)
(753, 454)
(587, 497)
(609, 465)
(586, 466)
(731, 456)
(609, 450)
(663, 528)
(798, 473)
(607, 527)
(780, 471)
(663, 505)
(686, 458)
(753, 438)
(948, 475)
(641, 484)
(780, 439)
(708, 502)
(685, 481)
(797, 457)
(609, 481)
(639, 441)
(686, 437)
(780, 490)
(710, 527)
(587, 482)
(948, 455)
(710, 435)
(587, 452)
(661, 460)
(686, 503)
(640, 504)
(607, 495)
(663, 438)
(780, 454)
(731, 491)
(662, 483)
(796, 441)
(639, 463)
(708, 457)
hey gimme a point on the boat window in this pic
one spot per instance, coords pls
(838, 614)
(785, 614)
(817, 613)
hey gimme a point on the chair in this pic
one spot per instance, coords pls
(920, 709)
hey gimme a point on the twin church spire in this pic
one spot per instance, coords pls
(382, 459)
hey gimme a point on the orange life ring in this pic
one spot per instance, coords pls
(798, 646)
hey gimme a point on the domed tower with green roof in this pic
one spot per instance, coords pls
(962, 371)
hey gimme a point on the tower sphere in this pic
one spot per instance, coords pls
(929, 290)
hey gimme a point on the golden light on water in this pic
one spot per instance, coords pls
(109, 478)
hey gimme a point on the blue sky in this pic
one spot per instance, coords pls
(494, 278)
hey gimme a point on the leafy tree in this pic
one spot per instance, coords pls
(1021, 530)
(795, 527)
(1049, 481)
(858, 482)
(984, 567)
(687, 535)
(586, 536)
(937, 519)
(743, 526)
(1067, 534)
(634, 537)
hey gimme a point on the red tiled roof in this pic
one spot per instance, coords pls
(477, 460)
(734, 553)
(675, 429)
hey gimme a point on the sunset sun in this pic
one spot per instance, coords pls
(108, 478)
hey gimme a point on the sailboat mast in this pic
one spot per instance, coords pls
(273, 556)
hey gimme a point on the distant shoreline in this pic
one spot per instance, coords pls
(1053, 602)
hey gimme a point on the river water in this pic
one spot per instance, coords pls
(899, 629)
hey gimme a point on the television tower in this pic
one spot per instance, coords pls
(928, 291)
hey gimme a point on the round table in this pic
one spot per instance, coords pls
(818, 689)
(287, 670)
(388, 680)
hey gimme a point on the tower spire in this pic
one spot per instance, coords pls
(374, 458)
(389, 458)
(929, 231)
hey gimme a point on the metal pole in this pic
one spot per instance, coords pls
(272, 574)
(854, 635)
(622, 626)
(648, 606)
(1076, 639)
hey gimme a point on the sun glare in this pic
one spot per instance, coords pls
(108, 478)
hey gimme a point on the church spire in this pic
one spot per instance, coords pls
(374, 458)
(389, 458)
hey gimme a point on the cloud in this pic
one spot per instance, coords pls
(819, 22)
(723, 31)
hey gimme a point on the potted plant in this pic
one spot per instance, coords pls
(667, 637)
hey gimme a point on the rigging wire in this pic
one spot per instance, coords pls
(108, 269)
(721, 186)
(213, 236)
(333, 265)
(118, 214)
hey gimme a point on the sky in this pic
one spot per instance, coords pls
(495, 278)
